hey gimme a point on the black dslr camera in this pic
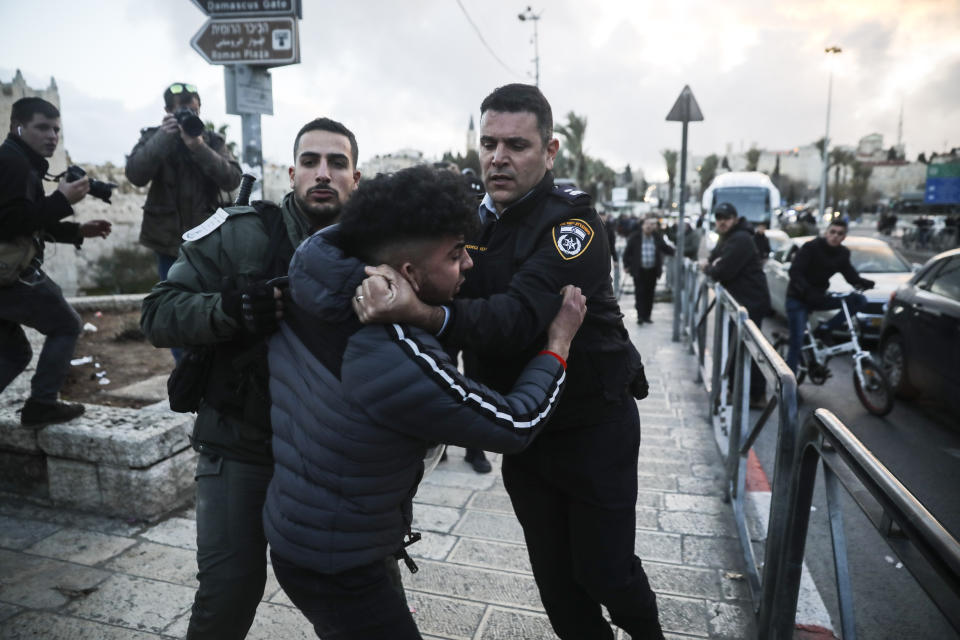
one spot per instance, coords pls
(98, 188)
(189, 120)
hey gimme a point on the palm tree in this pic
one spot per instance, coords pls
(838, 159)
(707, 171)
(670, 158)
(574, 132)
(753, 157)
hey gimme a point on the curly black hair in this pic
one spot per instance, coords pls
(410, 205)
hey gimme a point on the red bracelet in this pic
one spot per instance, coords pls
(551, 353)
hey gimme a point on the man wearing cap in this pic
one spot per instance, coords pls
(190, 173)
(736, 264)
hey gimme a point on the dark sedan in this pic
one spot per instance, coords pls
(920, 338)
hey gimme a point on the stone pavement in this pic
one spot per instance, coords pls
(68, 575)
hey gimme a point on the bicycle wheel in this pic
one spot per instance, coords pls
(782, 347)
(875, 394)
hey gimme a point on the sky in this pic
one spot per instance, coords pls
(410, 74)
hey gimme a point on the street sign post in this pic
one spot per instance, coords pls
(269, 41)
(684, 110)
(248, 89)
(943, 183)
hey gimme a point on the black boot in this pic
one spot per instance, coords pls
(478, 460)
(37, 414)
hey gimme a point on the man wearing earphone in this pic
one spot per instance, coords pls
(28, 297)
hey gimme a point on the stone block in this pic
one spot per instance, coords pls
(278, 621)
(683, 615)
(24, 473)
(432, 518)
(148, 493)
(441, 496)
(731, 621)
(492, 501)
(701, 524)
(481, 585)
(721, 553)
(174, 532)
(74, 484)
(655, 545)
(152, 389)
(118, 436)
(432, 545)
(683, 581)
(493, 526)
(460, 479)
(646, 518)
(81, 547)
(697, 503)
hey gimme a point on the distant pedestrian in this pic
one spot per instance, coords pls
(760, 239)
(643, 260)
(735, 264)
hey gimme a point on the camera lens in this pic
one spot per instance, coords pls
(190, 121)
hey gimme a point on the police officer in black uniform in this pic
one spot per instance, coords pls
(575, 489)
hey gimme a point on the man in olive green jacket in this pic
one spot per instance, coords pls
(217, 294)
(190, 171)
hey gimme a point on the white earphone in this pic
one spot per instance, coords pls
(20, 131)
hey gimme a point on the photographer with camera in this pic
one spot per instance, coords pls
(28, 297)
(187, 166)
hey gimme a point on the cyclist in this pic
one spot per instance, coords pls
(810, 273)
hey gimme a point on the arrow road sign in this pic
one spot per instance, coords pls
(270, 41)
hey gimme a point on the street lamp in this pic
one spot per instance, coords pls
(535, 17)
(826, 138)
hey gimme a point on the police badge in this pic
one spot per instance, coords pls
(571, 238)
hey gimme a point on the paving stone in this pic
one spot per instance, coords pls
(708, 471)
(491, 501)
(432, 518)
(696, 503)
(664, 467)
(647, 480)
(461, 480)
(469, 583)
(491, 555)
(52, 626)
(272, 586)
(178, 628)
(705, 486)
(157, 561)
(83, 547)
(683, 581)
(176, 532)
(14, 436)
(510, 624)
(17, 533)
(721, 553)
(683, 615)
(136, 603)
(8, 611)
(494, 526)
(656, 545)
(442, 496)
(277, 621)
(734, 585)
(647, 518)
(731, 621)
(433, 545)
(445, 617)
(652, 499)
(698, 523)
(33, 581)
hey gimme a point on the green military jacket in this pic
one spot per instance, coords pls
(185, 310)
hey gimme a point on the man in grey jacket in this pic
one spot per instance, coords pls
(187, 166)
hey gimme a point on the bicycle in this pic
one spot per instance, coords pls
(869, 379)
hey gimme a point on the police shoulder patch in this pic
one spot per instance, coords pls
(571, 238)
(571, 194)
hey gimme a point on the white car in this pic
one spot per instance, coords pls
(874, 259)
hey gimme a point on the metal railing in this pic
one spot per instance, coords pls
(913, 534)
(924, 547)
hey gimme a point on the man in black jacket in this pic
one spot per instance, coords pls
(575, 489)
(736, 265)
(27, 217)
(810, 274)
(643, 260)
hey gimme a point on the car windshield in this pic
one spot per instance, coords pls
(878, 259)
(752, 203)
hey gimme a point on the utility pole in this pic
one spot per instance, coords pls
(535, 17)
(826, 138)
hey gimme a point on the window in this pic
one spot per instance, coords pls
(947, 281)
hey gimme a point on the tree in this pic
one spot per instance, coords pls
(859, 184)
(922, 158)
(627, 176)
(469, 161)
(726, 163)
(753, 157)
(670, 158)
(574, 132)
(838, 159)
(707, 171)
